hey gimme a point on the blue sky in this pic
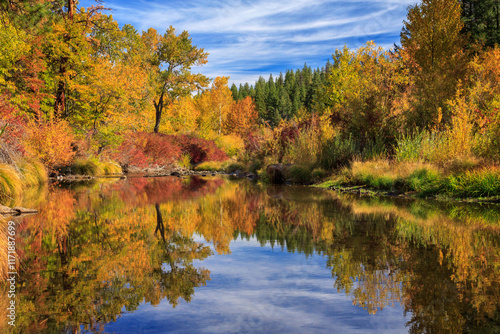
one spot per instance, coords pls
(247, 39)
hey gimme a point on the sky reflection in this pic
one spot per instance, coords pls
(263, 290)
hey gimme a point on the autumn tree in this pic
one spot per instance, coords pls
(172, 57)
(361, 91)
(215, 104)
(183, 115)
(242, 118)
(433, 50)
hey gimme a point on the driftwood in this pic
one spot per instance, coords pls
(5, 210)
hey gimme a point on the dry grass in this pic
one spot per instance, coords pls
(10, 184)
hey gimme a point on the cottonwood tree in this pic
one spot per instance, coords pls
(433, 49)
(171, 58)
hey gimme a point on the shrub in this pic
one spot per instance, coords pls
(160, 149)
(199, 149)
(141, 149)
(338, 152)
(305, 147)
(185, 161)
(255, 165)
(233, 167)
(210, 166)
(318, 174)
(51, 143)
(230, 144)
(299, 174)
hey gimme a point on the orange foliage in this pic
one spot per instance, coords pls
(51, 143)
(242, 117)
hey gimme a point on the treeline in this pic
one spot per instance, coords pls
(76, 87)
(282, 98)
(427, 111)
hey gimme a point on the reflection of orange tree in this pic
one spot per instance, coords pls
(105, 259)
(136, 245)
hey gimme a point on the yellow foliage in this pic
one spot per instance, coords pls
(231, 144)
(182, 116)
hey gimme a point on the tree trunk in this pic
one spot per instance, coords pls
(159, 109)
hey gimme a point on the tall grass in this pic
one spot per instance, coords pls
(93, 167)
(305, 149)
(338, 152)
(477, 183)
(381, 174)
(299, 174)
(33, 173)
(10, 184)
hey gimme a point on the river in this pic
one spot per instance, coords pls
(214, 255)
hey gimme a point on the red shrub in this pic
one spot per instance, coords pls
(199, 149)
(142, 149)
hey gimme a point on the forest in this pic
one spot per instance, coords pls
(81, 95)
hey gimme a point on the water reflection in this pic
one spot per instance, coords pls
(96, 251)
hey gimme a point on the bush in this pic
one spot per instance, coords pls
(199, 149)
(210, 166)
(141, 149)
(233, 167)
(51, 143)
(318, 174)
(230, 144)
(299, 174)
(255, 165)
(185, 161)
(338, 152)
(305, 148)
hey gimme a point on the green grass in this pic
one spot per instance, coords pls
(422, 179)
(477, 183)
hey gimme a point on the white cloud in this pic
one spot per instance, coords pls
(246, 39)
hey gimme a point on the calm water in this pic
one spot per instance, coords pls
(211, 255)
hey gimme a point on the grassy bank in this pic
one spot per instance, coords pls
(420, 179)
(17, 177)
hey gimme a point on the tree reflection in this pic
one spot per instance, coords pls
(93, 252)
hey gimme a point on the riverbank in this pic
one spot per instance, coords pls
(460, 181)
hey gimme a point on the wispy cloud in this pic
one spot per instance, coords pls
(247, 39)
(259, 290)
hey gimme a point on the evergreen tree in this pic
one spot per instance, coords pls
(234, 92)
(482, 20)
